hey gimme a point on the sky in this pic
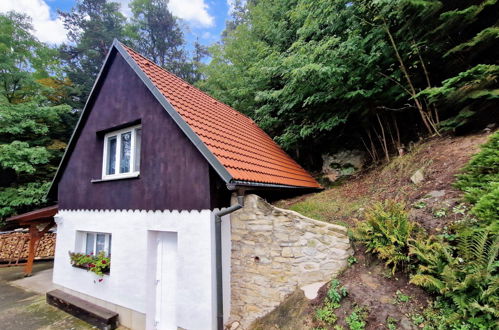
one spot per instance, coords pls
(203, 20)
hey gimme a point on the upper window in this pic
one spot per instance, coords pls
(122, 153)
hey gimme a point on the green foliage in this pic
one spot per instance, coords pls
(99, 264)
(480, 181)
(352, 260)
(33, 122)
(430, 256)
(326, 314)
(386, 232)
(356, 320)
(313, 72)
(391, 323)
(401, 297)
(335, 294)
(441, 315)
(22, 197)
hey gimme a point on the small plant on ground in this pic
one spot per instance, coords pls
(460, 209)
(326, 315)
(440, 213)
(417, 319)
(401, 297)
(419, 205)
(352, 260)
(391, 323)
(335, 294)
(386, 231)
(356, 320)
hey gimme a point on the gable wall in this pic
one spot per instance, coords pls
(174, 175)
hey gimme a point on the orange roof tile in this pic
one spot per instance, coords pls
(242, 147)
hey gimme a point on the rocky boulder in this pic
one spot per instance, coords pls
(342, 163)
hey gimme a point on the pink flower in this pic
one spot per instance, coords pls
(104, 262)
(101, 279)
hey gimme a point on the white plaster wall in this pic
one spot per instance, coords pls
(128, 283)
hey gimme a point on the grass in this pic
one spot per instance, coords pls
(329, 206)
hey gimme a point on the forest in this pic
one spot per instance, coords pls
(316, 75)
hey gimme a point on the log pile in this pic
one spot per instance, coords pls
(14, 247)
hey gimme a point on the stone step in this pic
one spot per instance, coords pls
(97, 316)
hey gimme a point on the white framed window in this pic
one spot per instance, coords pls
(121, 156)
(94, 243)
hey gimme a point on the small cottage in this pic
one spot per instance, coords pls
(146, 184)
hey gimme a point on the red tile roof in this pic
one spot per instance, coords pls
(243, 148)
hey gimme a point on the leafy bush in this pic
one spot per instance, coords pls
(480, 180)
(386, 232)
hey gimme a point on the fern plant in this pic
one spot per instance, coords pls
(472, 280)
(430, 257)
(468, 279)
(386, 232)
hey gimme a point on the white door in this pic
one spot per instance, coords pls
(166, 281)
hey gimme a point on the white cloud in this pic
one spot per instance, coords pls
(194, 11)
(47, 29)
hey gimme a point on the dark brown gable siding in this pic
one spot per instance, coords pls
(173, 176)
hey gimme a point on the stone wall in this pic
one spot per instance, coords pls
(274, 251)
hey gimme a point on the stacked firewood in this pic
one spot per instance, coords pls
(14, 246)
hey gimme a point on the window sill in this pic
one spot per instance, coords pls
(87, 269)
(121, 177)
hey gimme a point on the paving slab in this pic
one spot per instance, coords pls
(22, 309)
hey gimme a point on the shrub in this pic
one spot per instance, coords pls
(386, 232)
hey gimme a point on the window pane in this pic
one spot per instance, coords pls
(138, 138)
(101, 243)
(126, 145)
(111, 155)
(90, 243)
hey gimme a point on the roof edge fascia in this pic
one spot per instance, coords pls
(235, 184)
